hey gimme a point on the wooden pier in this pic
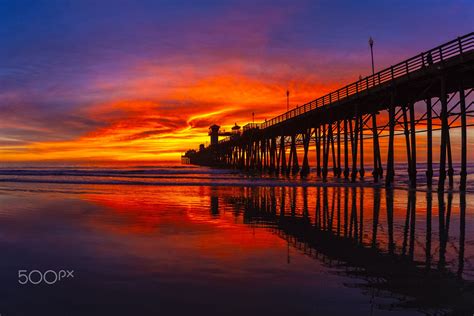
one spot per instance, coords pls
(346, 122)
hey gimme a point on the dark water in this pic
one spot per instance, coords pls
(174, 240)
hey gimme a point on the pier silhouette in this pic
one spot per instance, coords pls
(429, 92)
(388, 251)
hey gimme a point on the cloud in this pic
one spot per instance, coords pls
(127, 81)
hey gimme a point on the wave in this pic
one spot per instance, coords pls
(112, 172)
(127, 176)
(400, 169)
(195, 176)
(240, 183)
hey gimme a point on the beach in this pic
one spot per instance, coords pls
(177, 239)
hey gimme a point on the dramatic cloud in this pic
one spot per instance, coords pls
(144, 80)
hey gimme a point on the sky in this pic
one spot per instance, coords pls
(143, 80)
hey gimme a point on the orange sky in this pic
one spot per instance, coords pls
(140, 128)
(146, 129)
(78, 83)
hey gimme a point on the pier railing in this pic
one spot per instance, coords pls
(438, 54)
(225, 139)
(250, 126)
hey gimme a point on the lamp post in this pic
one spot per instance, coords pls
(287, 100)
(371, 44)
(378, 171)
(253, 117)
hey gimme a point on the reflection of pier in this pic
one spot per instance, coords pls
(387, 261)
(426, 93)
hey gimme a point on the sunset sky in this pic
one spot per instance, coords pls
(141, 80)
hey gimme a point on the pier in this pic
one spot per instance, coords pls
(430, 92)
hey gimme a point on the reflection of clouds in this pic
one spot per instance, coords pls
(181, 213)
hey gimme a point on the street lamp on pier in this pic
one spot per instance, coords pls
(371, 44)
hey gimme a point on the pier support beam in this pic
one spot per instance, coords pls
(317, 141)
(406, 132)
(376, 150)
(305, 167)
(346, 150)
(354, 141)
(333, 154)
(391, 138)
(413, 145)
(462, 104)
(361, 159)
(444, 131)
(277, 157)
(273, 149)
(338, 166)
(268, 153)
(249, 155)
(450, 160)
(429, 145)
(325, 153)
(295, 168)
(283, 154)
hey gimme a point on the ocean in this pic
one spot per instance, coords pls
(146, 239)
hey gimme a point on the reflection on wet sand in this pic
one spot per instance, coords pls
(391, 251)
(187, 249)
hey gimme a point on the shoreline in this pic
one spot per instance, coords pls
(240, 183)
